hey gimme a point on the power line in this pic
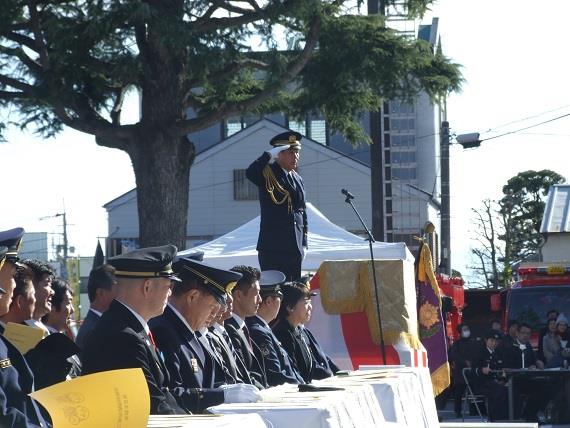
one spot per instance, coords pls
(526, 127)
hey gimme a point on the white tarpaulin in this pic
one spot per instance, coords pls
(327, 241)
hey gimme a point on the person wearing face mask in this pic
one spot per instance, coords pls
(461, 356)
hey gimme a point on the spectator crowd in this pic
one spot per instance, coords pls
(482, 366)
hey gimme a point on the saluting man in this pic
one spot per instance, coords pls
(283, 230)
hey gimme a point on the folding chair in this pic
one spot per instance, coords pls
(470, 398)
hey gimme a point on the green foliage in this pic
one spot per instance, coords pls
(522, 208)
(71, 61)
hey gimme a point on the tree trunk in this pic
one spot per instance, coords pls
(162, 193)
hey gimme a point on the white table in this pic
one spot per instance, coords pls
(206, 421)
(400, 397)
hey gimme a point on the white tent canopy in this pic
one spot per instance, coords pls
(327, 241)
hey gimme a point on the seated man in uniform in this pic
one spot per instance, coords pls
(192, 304)
(278, 366)
(17, 408)
(122, 339)
(23, 299)
(246, 300)
(487, 380)
(323, 365)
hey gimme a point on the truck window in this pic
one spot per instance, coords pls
(530, 305)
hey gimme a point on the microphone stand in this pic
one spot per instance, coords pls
(370, 240)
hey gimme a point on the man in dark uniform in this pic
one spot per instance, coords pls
(246, 300)
(17, 408)
(122, 339)
(101, 289)
(323, 365)
(487, 379)
(283, 230)
(192, 304)
(278, 366)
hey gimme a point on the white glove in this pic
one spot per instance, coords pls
(274, 152)
(240, 393)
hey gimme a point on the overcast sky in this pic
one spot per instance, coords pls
(516, 67)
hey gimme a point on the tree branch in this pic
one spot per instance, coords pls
(20, 39)
(17, 84)
(40, 45)
(21, 55)
(8, 95)
(184, 127)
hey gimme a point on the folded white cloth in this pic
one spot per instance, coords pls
(240, 393)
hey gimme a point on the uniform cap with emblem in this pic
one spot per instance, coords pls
(289, 138)
(151, 262)
(270, 282)
(12, 239)
(493, 334)
(219, 282)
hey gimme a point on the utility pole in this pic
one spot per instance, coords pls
(445, 265)
(377, 154)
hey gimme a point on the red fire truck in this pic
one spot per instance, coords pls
(539, 288)
(453, 302)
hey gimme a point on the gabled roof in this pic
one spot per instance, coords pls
(243, 134)
(556, 218)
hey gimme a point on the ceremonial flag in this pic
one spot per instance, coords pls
(430, 321)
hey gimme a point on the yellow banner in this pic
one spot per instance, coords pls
(116, 398)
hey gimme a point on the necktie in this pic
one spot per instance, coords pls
(246, 332)
(151, 338)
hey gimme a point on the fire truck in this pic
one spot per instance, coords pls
(453, 302)
(539, 287)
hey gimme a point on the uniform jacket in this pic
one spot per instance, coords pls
(119, 341)
(323, 365)
(280, 229)
(246, 352)
(17, 409)
(86, 328)
(190, 371)
(293, 342)
(513, 356)
(485, 358)
(233, 362)
(278, 366)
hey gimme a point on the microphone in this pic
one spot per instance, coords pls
(347, 194)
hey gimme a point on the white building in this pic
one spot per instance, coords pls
(555, 227)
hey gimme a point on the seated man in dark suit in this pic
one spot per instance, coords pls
(101, 290)
(193, 303)
(17, 408)
(278, 366)
(323, 365)
(246, 300)
(122, 339)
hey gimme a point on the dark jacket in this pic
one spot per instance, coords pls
(323, 365)
(485, 358)
(17, 409)
(246, 352)
(296, 346)
(119, 341)
(278, 366)
(463, 354)
(513, 356)
(281, 229)
(190, 371)
(86, 328)
(233, 362)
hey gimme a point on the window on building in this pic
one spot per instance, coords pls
(398, 107)
(318, 131)
(244, 190)
(402, 124)
(399, 140)
(298, 126)
(233, 125)
(403, 157)
(399, 173)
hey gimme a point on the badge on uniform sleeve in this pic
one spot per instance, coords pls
(194, 363)
(5, 363)
(264, 350)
